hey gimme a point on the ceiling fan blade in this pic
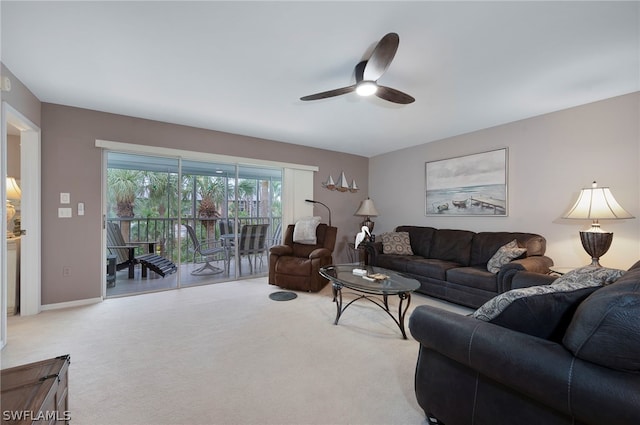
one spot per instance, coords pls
(360, 71)
(393, 95)
(381, 56)
(330, 93)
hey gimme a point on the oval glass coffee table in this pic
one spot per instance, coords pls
(376, 282)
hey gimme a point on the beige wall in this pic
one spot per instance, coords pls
(71, 163)
(20, 97)
(551, 157)
(13, 156)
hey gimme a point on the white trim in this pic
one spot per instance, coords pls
(31, 220)
(198, 156)
(30, 245)
(75, 303)
(3, 231)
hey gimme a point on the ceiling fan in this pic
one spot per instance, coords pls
(369, 71)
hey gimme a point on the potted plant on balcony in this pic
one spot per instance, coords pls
(211, 194)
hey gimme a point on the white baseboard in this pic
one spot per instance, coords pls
(68, 304)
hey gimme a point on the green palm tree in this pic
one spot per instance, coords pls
(246, 190)
(123, 188)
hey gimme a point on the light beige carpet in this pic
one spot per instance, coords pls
(227, 354)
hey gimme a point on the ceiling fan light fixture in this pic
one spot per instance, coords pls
(366, 88)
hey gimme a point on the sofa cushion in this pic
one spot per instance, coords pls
(504, 255)
(305, 230)
(430, 267)
(395, 262)
(452, 245)
(545, 311)
(604, 329)
(485, 244)
(397, 243)
(420, 238)
(474, 277)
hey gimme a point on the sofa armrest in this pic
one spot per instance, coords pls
(539, 369)
(281, 250)
(523, 279)
(319, 253)
(536, 264)
(372, 250)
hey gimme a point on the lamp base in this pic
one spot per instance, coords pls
(11, 212)
(596, 244)
(367, 222)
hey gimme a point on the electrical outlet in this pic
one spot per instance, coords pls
(66, 271)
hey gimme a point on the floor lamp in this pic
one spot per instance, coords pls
(596, 203)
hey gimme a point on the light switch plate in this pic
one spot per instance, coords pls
(65, 198)
(80, 208)
(64, 212)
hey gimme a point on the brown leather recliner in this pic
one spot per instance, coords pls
(296, 266)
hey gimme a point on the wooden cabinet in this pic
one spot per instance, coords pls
(36, 393)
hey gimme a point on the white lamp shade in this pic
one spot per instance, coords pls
(13, 190)
(597, 203)
(367, 209)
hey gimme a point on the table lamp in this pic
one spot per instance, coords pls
(13, 194)
(368, 210)
(596, 203)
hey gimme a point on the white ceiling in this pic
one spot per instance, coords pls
(241, 67)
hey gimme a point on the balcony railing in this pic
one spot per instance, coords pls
(165, 232)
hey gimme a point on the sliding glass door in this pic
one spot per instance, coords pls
(173, 222)
(141, 222)
(255, 203)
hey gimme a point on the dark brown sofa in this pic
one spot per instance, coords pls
(297, 266)
(558, 358)
(452, 264)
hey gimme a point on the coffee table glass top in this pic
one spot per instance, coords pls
(395, 283)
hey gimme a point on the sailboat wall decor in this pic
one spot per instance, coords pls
(342, 185)
(329, 184)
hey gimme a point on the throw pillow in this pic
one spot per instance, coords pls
(546, 311)
(504, 255)
(396, 243)
(304, 231)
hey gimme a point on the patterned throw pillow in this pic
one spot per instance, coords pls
(584, 277)
(304, 231)
(396, 243)
(504, 255)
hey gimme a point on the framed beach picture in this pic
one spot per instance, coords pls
(468, 185)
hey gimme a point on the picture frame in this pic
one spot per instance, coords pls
(469, 185)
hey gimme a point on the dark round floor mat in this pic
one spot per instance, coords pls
(282, 295)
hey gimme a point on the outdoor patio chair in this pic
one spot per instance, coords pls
(126, 257)
(277, 236)
(252, 242)
(227, 232)
(206, 251)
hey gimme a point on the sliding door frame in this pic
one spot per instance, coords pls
(297, 179)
